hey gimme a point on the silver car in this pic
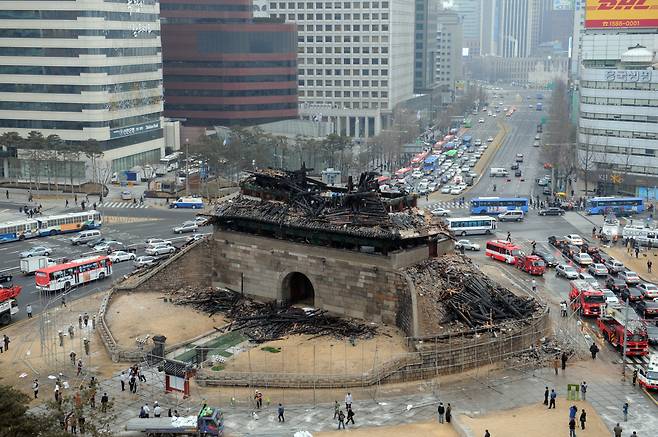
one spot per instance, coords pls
(36, 251)
(143, 261)
(566, 271)
(467, 245)
(186, 227)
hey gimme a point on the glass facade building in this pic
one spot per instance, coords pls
(84, 70)
(223, 67)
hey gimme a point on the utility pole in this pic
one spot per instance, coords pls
(187, 166)
(623, 358)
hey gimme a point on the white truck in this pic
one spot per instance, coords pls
(209, 422)
(494, 172)
(34, 263)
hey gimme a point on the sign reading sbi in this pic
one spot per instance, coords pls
(134, 130)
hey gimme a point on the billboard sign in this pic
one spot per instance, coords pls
(133, 130)
(612, 14)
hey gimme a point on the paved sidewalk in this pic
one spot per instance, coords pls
(507, 390)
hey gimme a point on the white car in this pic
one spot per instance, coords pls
(566, 271)
(446, 189)
(201, 220)
(195, 237)
(490, 140)
(120, 256)
(186, 227)
(151, 241)
(591, 280)
(583, 259)
(417, 174)
(440, 211)
(143, 261)
(160, 249)
(467, 245)
(610, 297)
(481, 120)
(650, 290)
(574, 239)
(458, 189)
(36, 251)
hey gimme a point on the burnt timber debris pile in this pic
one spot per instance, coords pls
(291, 205)
(454, 296)
(263, 322)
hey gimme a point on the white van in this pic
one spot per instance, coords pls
(85, 237)
(511, 216)
(502, 172)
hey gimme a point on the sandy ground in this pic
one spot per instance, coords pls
(26, 361)
(536, 421)
(133, 315)
(324, 355)
(424, 429)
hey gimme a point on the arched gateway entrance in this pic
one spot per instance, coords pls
(296, 288)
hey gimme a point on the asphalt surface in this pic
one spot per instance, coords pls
(143, 224)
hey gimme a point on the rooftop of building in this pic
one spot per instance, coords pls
(638, 55)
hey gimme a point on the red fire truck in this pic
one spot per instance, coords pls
(8, 304)
(585, 299)
(611, 324)
(531, 264)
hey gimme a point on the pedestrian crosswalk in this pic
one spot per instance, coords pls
(122, 205)
(637, 362)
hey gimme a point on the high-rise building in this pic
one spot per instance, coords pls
(425, 46)
(471, 12)
(223, 67)
(489, 28)
(355, 58)
(518, 31)
(618, 90)
(84, 70)
(449, 54)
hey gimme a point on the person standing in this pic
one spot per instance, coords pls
(35, 388)
(348, 401)
(441, 411)
(583, 390)
(281, 410)
(546, 392)
(634, 377)
(81, 424)
(572, 427)
(617, 430)
(625, 411)
(553, 397)
(556, 363)
(448, 413)
(6, 341)
(336, 409)
(147, 411)
(583, 419)
(341, 419)
(157, 410)
(79, 367)
(123, 378)
(509, 236)
(534, 286)
(28, 310)
(594, 349)
(486, 433)
(649, 264)
(564, 358)
(350, 417)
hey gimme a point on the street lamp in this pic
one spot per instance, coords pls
(187, 166)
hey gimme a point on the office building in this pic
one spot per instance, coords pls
(355, 59)
(489, 27)
(471, 12)
(449, 55)
(618, 119)
(425, 46)
(83, 70)
(223, 67)
(518, 27)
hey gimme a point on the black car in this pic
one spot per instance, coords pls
(96, 242)
(551, 211)
(652, 332)
(547, 256)
(515, 166)
(5, 278)
(615, 284)
(546, 190)
(633, 294)
(517, 173)
(646, 308)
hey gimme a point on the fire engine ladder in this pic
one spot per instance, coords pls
(618, 313)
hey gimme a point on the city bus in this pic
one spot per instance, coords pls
(430, 163)
(504, 251)
(471, 225)
(73, 273)
(618, 205)
(19, 230)
(497, 205)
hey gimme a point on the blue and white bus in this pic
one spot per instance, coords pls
(471, 225)
(49, 225)
(618, 205)
(430, 163)
(497, 205)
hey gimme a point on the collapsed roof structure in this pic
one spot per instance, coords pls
(290, 205)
